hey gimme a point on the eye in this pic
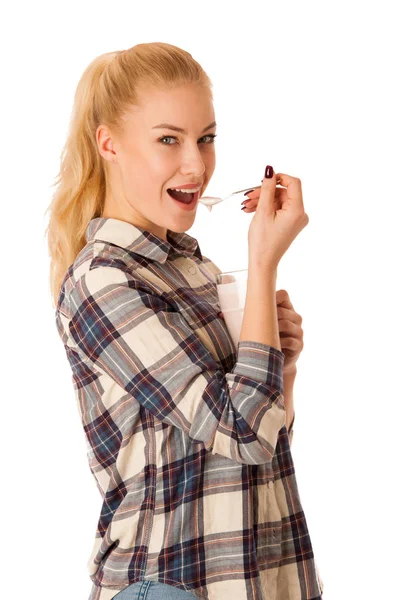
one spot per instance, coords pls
(172, 137)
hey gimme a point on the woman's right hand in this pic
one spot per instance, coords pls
(278, 219)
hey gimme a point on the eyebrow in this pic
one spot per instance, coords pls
(179, 129)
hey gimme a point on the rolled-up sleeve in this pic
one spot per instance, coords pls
(126, 332)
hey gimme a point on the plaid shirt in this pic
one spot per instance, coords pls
(185, 433)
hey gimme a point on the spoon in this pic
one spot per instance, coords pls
(210, 201)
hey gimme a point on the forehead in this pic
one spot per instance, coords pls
(187, 105)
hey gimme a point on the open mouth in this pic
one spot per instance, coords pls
(184, 197)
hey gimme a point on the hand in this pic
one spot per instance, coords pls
(278, 218)
(250, 203)
(290, 331)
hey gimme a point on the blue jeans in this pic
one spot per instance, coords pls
(153, 590)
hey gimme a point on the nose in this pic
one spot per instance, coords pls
(193, 163)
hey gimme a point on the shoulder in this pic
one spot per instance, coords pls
(98, 264)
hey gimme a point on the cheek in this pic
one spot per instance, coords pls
(144, 170)
(210, 161)
(155, 168)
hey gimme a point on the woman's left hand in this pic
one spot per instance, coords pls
(290, 331)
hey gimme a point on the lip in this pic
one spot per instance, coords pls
(187, 186)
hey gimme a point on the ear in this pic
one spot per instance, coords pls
(105, 143)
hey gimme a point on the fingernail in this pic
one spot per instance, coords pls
(243, 207)
(269, 171)
(246, 201)
(248, 192)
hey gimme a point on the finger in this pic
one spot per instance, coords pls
(249, 204)
(255, 194)
(255, 191)
(289, 314)
(282, 298)
(294, 190)
(265, 202)
(252, 200)
(290, 329)
(289, 343)
(252, 203)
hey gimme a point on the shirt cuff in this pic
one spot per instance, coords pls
(260, 362)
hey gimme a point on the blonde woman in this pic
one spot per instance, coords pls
(187, 435)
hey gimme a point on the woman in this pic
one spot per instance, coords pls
(187, 435)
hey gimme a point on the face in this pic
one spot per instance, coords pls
(144, 161)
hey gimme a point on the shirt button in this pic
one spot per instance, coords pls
(192, 270)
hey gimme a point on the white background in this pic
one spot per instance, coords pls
(310, 88)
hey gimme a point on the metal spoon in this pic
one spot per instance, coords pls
(210, 201)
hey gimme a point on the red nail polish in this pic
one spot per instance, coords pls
(269, 171)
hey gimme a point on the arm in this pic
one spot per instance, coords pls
(138, 341)
(288, 385)
(260, 322)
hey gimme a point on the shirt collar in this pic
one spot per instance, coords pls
(140, 241)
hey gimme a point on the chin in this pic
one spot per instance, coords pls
(181, 225)
(181, 229)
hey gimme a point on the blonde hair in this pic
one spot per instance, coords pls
(105, 91)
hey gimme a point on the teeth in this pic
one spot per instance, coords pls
(194, 190)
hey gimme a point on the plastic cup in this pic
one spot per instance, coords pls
(232, 289)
